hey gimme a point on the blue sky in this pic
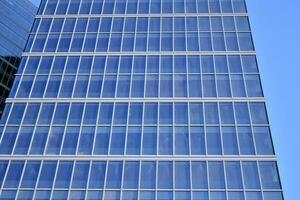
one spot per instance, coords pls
(276, 31)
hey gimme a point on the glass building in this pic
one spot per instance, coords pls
(138, 99)
(16, 18)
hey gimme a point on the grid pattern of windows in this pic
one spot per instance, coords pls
(138, 99)
(120, 179)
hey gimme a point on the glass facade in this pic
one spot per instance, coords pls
(16, 18)
(138, 99)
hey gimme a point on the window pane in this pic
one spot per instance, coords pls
(165, 140)
(105, 113)
(70, 140)
(149, 141)
(23, 141)
(14, 174)
(54, 140)
(230, 144)
(233, 175)
(102, 141)
(165, 172)
(166, 113)
(181, 141)
(133, 146)
(269, 175)
(211, 113)
(39, 140)
(216, 175)
(263, 141)
(148, 174)
(181, 113)
(250, 174)
(80, 175)
(47, 174)
(117, 141)
(166, 86)
(199, 175)
(226, 113)
(241, 113)
(182, 175)
(120, 114)
(209, 86)
(258, 113)
(63, 176)
(97, 175)
(246, 140)
(131, 175)
(197, 139)
(114, 175)
(213, 137)
(86, 140)
(30, 174)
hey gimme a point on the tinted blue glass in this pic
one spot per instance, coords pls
(13, 174)
(211, 113)
(8, 140)
(77, 195)
(32, 65)
(149, 141)
(230, 144)
(53, 86)
(273, 195)
(70, 140)
(263, 141)
(109, 86)
(205, 42)
(221, 65)
(39, 140)
(213, 139)
(97, 175)
(55, 140)
(246, 140)
(249, 64)
(63, 175)
(61, 112)
(25, 87)
(77, 42)
(90, 113)
(165, 172)
(233, 175)
(85, 64)
(223, 85)
(114, 175)
(148, 174)
(216, 175)
(23, 141)
(241, 113)
(39, 86)
(245, 42)
(182, 175)
(131, 175)
(209, 86)
(123, 87)
(269, 175)
(181, 141)
(117, 140)
(126, 64)
(166, 113)
(102, 43)
(99, 64)
(80, 175)
(8, 194)
(25, 194)
(180, 86)
(137, 89)
(30, 174)
(165, 141)
(199, 175)
(105, 113)
(43, 194)
(81, 86)
(226, 113)
(258, 113)
(133, 146)
(3, 167)
(197, 141)
(95, 85)
(166, 42)
(67, 86)
(46, 113)
(253, 86)
(60, 195)
(250, 174)
(181, 113)
(111, 195)
(166, 86)
(86, 140)
(120, 114)
(150, 113)
(102, 140)
(75, 115)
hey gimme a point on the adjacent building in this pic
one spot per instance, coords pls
(16, 18)
(138, 99)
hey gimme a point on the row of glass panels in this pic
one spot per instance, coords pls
(240, 113)
(138, 86)
(140, 42)
(165, 175)
(134, 195)
(142, 24)
(136, 140)
(139, 64)
(140, 6)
